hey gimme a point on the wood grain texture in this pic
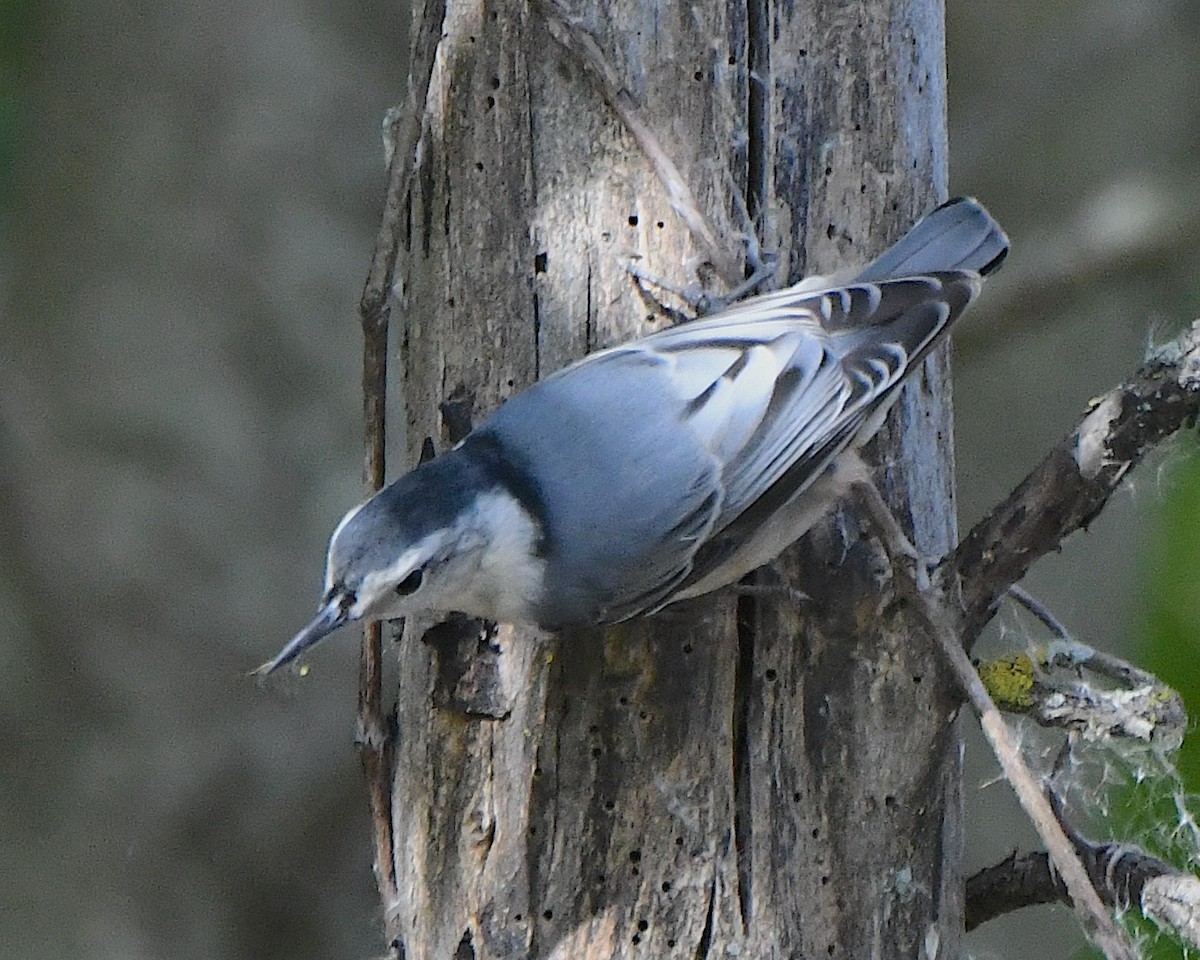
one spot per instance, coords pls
(730, 778)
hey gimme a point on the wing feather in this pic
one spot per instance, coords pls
(778, 387)
(769, 380)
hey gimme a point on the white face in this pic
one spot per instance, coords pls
(484, 562)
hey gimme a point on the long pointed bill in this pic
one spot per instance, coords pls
(333, 615)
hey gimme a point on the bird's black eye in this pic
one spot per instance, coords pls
(411, 583)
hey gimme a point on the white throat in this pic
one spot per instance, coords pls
(508, 576)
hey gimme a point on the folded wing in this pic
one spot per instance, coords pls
(775, 389)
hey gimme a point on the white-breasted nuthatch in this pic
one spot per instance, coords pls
(665, 468)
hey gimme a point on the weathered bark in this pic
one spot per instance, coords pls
(729, 777)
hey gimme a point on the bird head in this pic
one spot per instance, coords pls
(444, 537)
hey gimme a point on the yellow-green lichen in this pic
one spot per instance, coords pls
(1009, 680)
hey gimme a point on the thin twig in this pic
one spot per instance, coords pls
(932, 607)
(575, 38)
(373, 735)
(1105, 664)
(1039, 610)
(1094, 917)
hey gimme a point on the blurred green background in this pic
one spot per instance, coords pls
(188, 197)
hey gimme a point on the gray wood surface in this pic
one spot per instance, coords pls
(733, 778)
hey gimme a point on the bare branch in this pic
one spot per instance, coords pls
(1064, 493)
(1039, 610)
(1123, 875)
(1073, 483)
(1012, 884)
(1051, 685)
(373, 736)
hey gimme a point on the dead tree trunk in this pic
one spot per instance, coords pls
(733, 778)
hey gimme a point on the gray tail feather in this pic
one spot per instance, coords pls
(958, 235)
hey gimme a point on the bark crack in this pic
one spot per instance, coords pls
(758, 48)
(534, 241)
(704, 947)
(742, 812)
(537, 337)
(589, 334)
